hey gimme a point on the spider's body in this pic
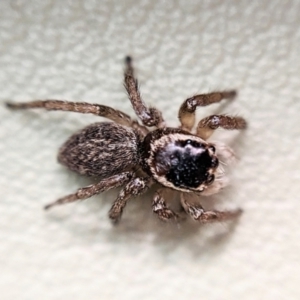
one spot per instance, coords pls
(126, 153)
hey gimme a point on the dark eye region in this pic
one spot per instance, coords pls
(186, 163)
(191, 143)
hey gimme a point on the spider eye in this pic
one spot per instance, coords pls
(212, 148)
(210, 179)
(192, 143)
(214, 162)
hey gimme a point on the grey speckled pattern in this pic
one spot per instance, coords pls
(74, 50)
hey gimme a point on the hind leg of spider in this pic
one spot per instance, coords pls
(135, 187)
(81, 107)
(149, 116)
(91, 190)
(206, 126)
(160, 208)
(196, 212)
(187, 110)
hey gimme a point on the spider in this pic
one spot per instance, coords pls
(128, 154)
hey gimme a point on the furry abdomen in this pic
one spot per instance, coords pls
(101, 149)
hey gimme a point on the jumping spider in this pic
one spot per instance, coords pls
(126, 153)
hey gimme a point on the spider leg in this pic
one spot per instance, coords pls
(160, 207)
(97, 188)
(81, 107)
(187, 110)
(196, 211)
(134, 187)
(206, 126)
(149, 116)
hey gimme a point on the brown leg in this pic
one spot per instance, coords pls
(160, 207)
(91, 190)
(81, 107)
(149, 116)
(196, 211)
(207, 125)
(135, 187)
(187, 110)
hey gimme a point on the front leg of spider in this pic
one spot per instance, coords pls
(196, 212)
(188, 108)
(206, 126)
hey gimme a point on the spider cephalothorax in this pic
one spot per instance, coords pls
(179, 160)
(126, 153)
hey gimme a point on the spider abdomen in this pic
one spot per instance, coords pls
(101, 149)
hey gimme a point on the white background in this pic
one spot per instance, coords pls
(74, 50)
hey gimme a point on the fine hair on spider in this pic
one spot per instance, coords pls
(128, 154)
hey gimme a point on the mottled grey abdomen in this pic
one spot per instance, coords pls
(101, 149)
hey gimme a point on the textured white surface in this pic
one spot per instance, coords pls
(74, 50)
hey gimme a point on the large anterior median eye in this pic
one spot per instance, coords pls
(212, 148)
(210, 179)
(188, 142)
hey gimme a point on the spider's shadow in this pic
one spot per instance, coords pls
(139, 224)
